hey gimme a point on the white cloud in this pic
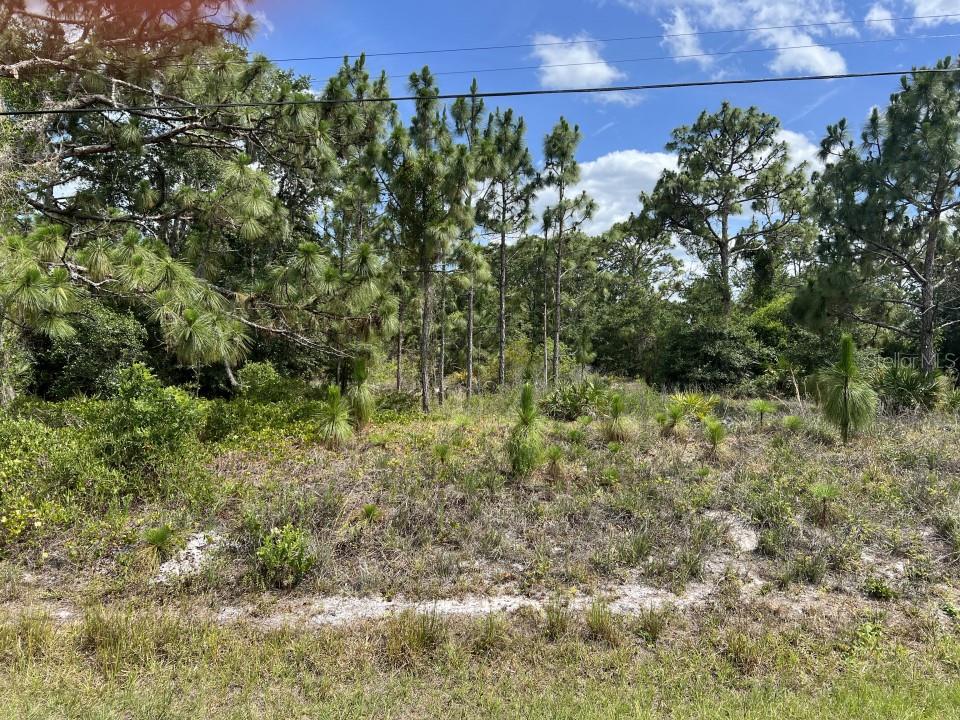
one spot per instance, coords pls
(880, 20)
(802, 149)
(615, 181)
(566, 63)
(264, 25)
(814, 58)
(681, 40)
(724, 15)
(926, 8)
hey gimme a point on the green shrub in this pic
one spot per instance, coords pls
(260, 382)
(148, 428)
(50, 472)
(284, 556)
(876, 588)
(85, 362)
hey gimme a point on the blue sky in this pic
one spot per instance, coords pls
(622, 151)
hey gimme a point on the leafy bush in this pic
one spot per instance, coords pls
(876, 588)
(86, 361)
(260, 382)
(525, 446)
(284, 556)
(49, 472)
(903, 388)
(148, 428)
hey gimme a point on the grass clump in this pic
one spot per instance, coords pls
(411, 637)
(525, 445)
(161, 540)
(601, 624)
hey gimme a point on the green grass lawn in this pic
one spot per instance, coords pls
(130, 665)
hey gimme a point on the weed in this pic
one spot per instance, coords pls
(284, 556)
(876, 588)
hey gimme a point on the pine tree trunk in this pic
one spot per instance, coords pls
(231, 379)
(928, 355)
(400, 345)
(726, 296)
(556, 299)
(546, 294)
(502, 311)
(442, 360)
(426, 316)
(8, 392)
(470, 296)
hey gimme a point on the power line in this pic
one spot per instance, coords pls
(491, 94)
(690, 56)
(580, 41)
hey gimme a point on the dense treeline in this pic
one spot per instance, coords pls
(200, 212)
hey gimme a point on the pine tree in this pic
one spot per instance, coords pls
(426, 174)
(730, 163)
(505, 208)
(474, 272)
(846, 399)
(561, 172)
(885, 205)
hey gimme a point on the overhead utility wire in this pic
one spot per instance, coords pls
(691, 56)
(493, 94)
(581, 41)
